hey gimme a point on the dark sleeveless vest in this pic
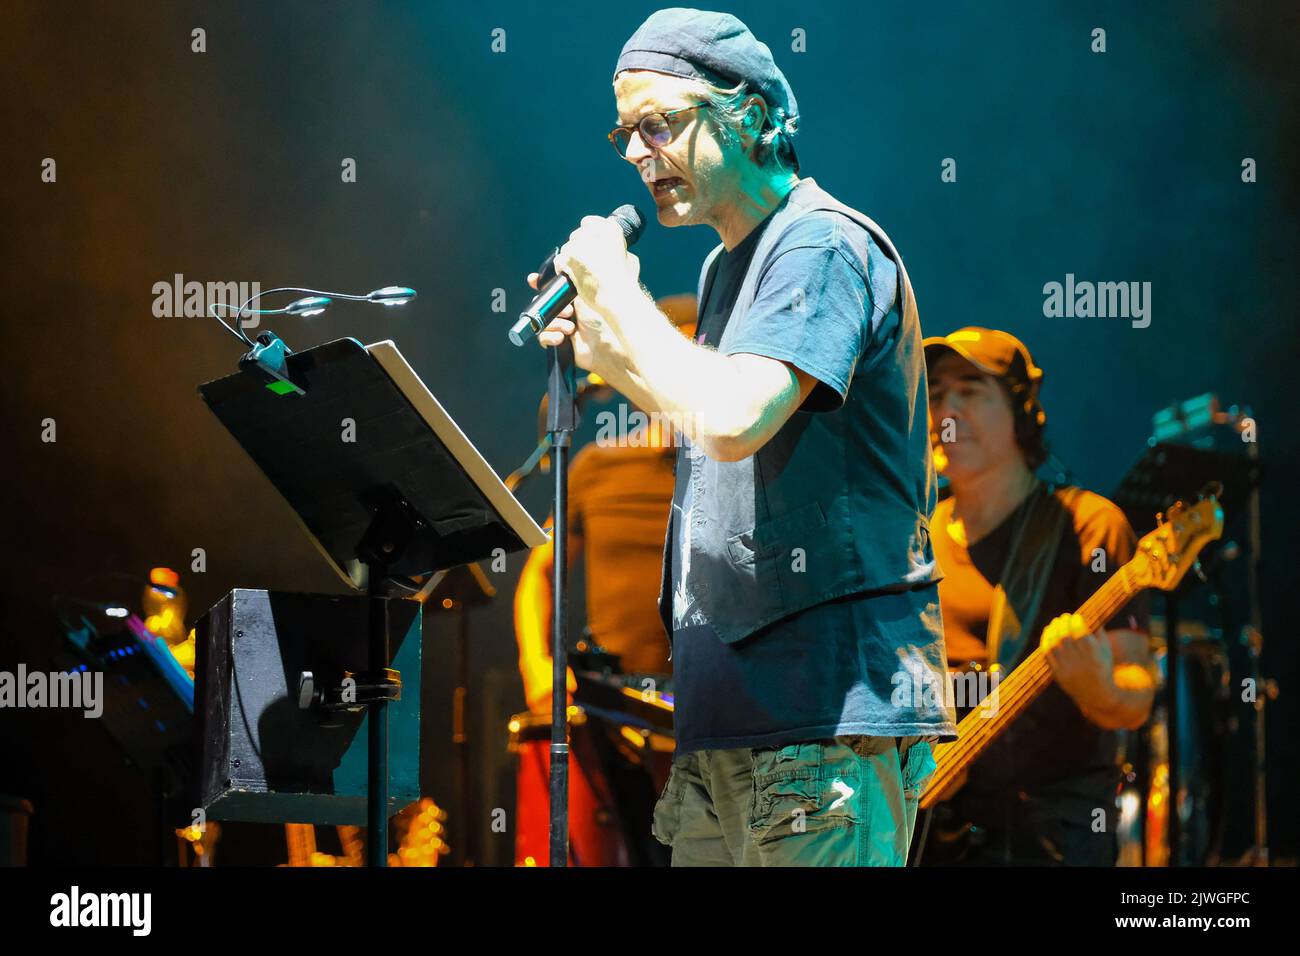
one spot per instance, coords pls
(836, 503)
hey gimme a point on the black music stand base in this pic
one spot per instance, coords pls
(377, 751)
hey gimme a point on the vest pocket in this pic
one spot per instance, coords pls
(771, 537)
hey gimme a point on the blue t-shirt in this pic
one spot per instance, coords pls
(833, 669)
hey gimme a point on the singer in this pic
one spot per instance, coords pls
(799, 588)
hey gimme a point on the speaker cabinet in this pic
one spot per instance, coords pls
(266, 759)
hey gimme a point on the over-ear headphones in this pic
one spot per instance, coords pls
(1030, 417)
(1006, 359)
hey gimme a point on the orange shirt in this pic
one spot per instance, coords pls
(969, 573)
(619, 499)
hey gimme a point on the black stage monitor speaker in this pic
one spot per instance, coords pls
(267, 758)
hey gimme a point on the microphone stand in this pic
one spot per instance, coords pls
(556, 441)
(561, 422)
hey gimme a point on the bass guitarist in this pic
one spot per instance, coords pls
(1018, 556)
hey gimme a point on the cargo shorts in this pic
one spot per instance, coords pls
(844, 801)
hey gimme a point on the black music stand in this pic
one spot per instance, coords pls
(1167, 472)
(385, 485)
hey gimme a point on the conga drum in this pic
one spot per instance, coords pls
(616, 772)
(595, 833)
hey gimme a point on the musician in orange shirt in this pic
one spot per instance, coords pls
(1024, 555)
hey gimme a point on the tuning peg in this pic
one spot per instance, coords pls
(1200, 572)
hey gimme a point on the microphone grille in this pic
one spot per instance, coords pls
(630, 220)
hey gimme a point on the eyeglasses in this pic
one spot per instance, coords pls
(655, 130)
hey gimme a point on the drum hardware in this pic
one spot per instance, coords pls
(1202, 726)
(1266, 689)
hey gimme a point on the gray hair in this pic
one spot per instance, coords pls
(774, 146)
